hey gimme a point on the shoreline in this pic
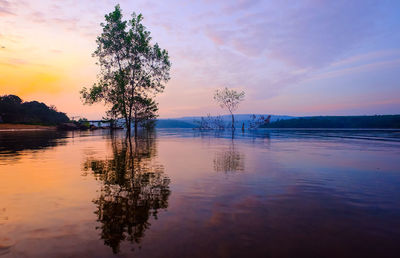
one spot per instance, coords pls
(20, 127)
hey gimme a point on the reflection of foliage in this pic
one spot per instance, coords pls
(133, 190)
(229, 160)
(14, 143)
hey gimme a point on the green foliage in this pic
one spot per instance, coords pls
(14, 110)
(383, 121)
(132, 68)
(146, 112)
(84, 122)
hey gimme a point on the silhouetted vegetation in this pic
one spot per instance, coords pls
(14, 110)
(377, 121)
(146, 113)
(257, 121)
(229, 99)
(210, 122)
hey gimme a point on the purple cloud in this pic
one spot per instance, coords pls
(310, 34)
(5, 8)
(274, 50)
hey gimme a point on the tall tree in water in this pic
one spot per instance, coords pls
(230, 100)
(133, 69)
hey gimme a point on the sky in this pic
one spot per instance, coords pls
(298, 58)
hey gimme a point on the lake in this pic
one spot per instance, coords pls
(185, 193)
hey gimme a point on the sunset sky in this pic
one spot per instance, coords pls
(290, 57)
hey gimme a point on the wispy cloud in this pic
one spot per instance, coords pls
(310, 33)
(16, 62)
(264, 47)
(357, 69)
(5, 8)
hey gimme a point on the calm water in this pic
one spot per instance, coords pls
(288, 193)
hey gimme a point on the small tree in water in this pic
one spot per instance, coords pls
(229, 99)
(132, 69)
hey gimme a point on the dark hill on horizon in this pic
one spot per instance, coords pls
(14, 110)
(173, 123)
(375, 121)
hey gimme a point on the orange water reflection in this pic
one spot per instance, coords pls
(197, 194)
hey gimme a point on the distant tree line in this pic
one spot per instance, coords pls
(377, 121)
(14, 110)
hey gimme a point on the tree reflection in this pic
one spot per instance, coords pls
(229, 160)
(133, 189)
(13, 142)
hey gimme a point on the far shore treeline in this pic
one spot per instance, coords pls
(14, 110)
(377, 121)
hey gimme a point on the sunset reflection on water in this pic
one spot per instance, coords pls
(199, 194)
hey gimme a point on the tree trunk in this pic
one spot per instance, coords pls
(233, 122)
(136, 124)
(128, 127)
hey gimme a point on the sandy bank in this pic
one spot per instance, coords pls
(7, 127)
